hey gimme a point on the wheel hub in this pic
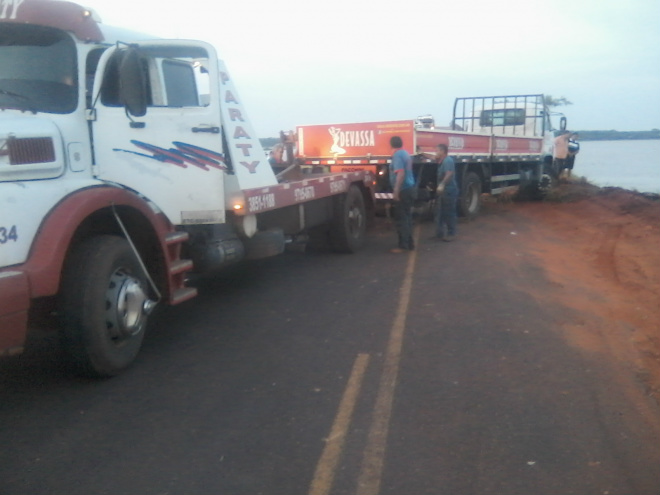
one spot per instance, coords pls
(355, 220)
(127, 305)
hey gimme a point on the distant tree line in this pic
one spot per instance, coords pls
(617, 135)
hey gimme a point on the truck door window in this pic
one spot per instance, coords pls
(176, 77)
(502, 117)
(180, 86)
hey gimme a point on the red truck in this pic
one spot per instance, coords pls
(499, 143)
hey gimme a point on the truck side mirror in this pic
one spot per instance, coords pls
(132, 83)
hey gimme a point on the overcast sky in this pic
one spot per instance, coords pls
(314, 62)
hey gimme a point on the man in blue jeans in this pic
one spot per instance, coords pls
(446, 195)
(403, 187)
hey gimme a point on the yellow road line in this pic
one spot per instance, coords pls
(374, 453)
(327, 465)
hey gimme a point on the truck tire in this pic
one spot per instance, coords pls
(349, 223)
(469, 203)
(104, 296)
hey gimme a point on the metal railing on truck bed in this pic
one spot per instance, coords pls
(517, 115)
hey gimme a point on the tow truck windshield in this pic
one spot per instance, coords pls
(38, 69)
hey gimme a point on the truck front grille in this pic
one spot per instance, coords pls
(23, 151)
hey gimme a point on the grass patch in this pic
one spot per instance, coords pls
(574, 189)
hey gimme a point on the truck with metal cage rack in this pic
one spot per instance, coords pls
(499, 144)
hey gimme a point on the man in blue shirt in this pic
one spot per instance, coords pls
(446, 195)
(403, 187)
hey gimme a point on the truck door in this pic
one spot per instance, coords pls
(156, 127)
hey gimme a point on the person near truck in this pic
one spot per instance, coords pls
(275, 158)
(403, 188)
(560, 153)
(446, 195)
(573, 149)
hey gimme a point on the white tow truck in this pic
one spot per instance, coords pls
(127, 163)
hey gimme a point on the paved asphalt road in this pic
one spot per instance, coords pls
(430, 373)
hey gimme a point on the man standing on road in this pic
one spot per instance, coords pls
(403, 187)
(446, 195)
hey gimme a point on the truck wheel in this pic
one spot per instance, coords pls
(469, 203)
(105, 306)
(348, 227)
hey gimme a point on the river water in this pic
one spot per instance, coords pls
(630, 164)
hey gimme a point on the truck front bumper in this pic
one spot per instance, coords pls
(14, 305)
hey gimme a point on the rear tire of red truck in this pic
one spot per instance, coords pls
(348, 227)
(104, 296)
(469, 203)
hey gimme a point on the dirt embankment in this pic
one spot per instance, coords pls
(602, 252)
